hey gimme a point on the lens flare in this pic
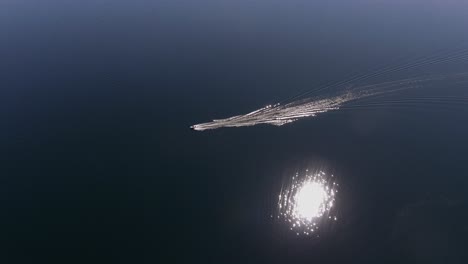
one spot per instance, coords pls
(307, 201)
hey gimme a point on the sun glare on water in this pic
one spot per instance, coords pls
(310, 200)
(307, 201)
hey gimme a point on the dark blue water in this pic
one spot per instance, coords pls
(98, 163)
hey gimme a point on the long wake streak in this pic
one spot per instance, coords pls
(281, 114)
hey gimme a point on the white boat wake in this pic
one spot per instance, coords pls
(281, 114)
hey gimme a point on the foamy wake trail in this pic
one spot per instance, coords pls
(279, 115)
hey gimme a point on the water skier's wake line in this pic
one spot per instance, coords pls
(347, 98)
